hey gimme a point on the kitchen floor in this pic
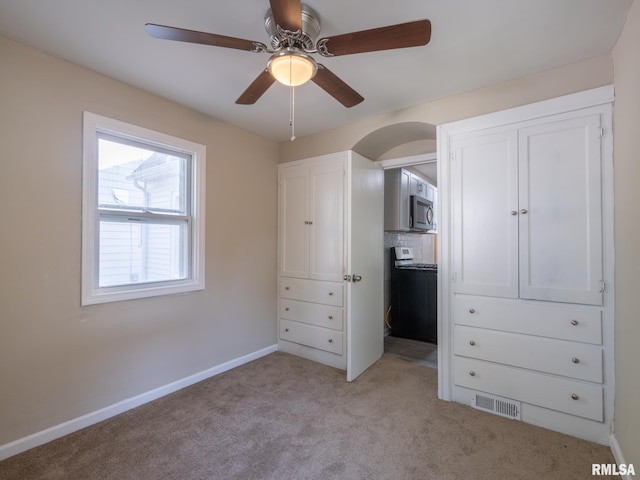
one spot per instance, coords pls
(412, 350)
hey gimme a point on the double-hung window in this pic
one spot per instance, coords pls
(143, 212)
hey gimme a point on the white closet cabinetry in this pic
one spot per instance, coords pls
(312, 221)
(330, 236)
(527, 211)
(527, 276)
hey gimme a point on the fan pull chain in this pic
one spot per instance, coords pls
(292, 103)
(292, 118)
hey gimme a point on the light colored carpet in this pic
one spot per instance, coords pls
(283, 417)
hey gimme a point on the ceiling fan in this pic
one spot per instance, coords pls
(293, 29)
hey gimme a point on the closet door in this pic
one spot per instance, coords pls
(294, 222)
(327, 207)
(484, 169)
(365, 240)
(560, 212)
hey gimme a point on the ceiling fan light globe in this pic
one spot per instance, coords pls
(292, 68)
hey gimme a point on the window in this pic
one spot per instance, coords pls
(143, 212)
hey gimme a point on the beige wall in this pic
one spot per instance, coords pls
(591, 73)
(59, 360)
(626, 151)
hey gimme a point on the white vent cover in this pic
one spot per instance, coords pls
(500, 406)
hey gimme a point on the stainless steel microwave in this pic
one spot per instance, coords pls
(421, 213)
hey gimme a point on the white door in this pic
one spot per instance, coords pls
(484, 170)
(365, 246)
(294, 222)
(326, 228)
(560, 211)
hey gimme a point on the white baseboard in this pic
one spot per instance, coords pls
(23, 444)
(617, 453)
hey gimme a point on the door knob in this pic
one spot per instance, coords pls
(356, 278)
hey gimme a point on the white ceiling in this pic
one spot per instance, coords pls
(473, 43)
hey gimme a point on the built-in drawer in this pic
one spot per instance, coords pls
(318, 314)
(556, 393)
(560, 357)
(579, 324)
(317, 291)
(311, 336)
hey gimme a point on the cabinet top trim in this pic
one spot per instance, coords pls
(575, 101)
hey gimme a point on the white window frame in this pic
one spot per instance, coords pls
(92, 293)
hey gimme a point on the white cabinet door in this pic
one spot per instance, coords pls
(326, 206)
(294, 218)
(560, 211)
(484, 173)
(365, 307)
(430, 192)
(405, 192)
(417, 186)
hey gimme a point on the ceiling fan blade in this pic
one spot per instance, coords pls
(256, 89)
(411, 34)
(287, 14)
(183, 35)
(335, 87)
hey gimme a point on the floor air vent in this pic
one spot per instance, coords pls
(500, 406)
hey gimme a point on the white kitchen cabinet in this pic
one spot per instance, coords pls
(527, 211)
(528, 294)
(418, 186)
(399, 185)
(330, 239)
(397, 188)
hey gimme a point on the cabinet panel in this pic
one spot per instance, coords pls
(567, 322)
(312, 336)
(560, 201)
(396, 199)
(327, 316)
(326, 245)
(327, 293)
(484, 195)
(294, 216)
(569, 396)
(569, 359)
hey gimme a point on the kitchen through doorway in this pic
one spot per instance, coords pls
(411, 259)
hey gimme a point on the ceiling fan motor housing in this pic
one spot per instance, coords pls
(305, 40)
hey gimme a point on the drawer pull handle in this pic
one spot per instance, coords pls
(574, 396)
(286, 288)
(330, 317)
(575, 360)
(472, 342)
(472, 373)
(574, 322)
(286, 309)
(471, 310)
(331, 294)
(286, 329)
(331, 340)
(513, 212)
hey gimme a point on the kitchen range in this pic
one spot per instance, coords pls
(413, 291)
